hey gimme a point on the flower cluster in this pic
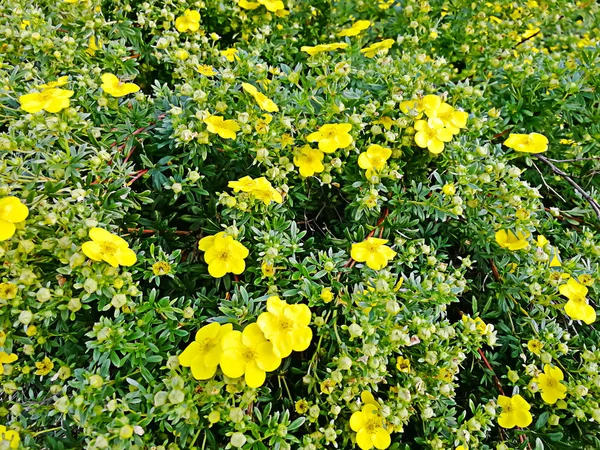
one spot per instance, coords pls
(254, 351)
(259, 189)
(443, 121)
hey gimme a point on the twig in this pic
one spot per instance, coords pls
(593, 158)
(489, 366)
(151, 232)
(140, 173)
(578, 188)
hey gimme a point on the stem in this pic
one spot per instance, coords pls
(578, 188)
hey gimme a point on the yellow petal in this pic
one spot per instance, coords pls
(92, 250)
(7, 230)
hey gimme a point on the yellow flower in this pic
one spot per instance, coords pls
(10, 436)
(332, 136)
(8, 291)
(265, 192)
(25, 24)
(204, 354)
(230, 54)
(5, 358)
(577, 308)
(527, 143)
(272, 5)
(507, 239)
(225, 128)
(44, 367)
(515, 412)
(453, 120)
(586, 279)
(51, 100)
(480, 325)
(161, 268)
(11, 211)
(267, 269)
(413, 108)
(403, 364)
(286, 326)
(61, 81)
(449, 189)
(301, 406)
(248, 5)
(374, 159)
(207, 71)
(223, 254)
(368, 425)
(93, 45)
(378, 47)
(309, 161)
(190, 21)
(555, 260)
(535, 346)
(113, 86)
(108, 247)
(431, 134)
(326, 295)
(312, 51)
(550, 384)
(250, 354)
(264, 102)
(373, 252)
(357, 27)
(367, 398)
(387, 122)
(541, 241)
(462, 447)
(259, 188)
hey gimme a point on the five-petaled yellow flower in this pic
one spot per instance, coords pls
(511, 241)
(248, 5)
(577, 308)
(286, 326)
(6, 358)
(357, 27)
(108, 247)
(207, 71)
(227, 129)
(309, 161)
(230, 54)
(204, 354)
(332, 136)
(50, 100)
(373, 252)
(10, 436)
(113, 86)
(44, 367)
(374, 159)
(535, 346)
(515, 412)
(527, 143)
(368, 425)
(223, 254)
(190, 21)
(550, 384)
(377, 47)
(431, 134)
(11, 211)
(272, 5)
(403, 364)
(312, 51)
(250, 354)
(264, 102)
(259, 188)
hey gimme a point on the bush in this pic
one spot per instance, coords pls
(299, 224)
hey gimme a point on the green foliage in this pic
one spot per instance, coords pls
(463, 310)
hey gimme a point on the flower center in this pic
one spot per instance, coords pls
(285, 324)
(206, 345)
(372, 425)
(108, 248)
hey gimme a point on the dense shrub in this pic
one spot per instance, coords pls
(299, 224)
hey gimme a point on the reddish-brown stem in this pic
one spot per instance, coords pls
(140, 174)
(236, 278)
(151, 232)
(489, 366)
